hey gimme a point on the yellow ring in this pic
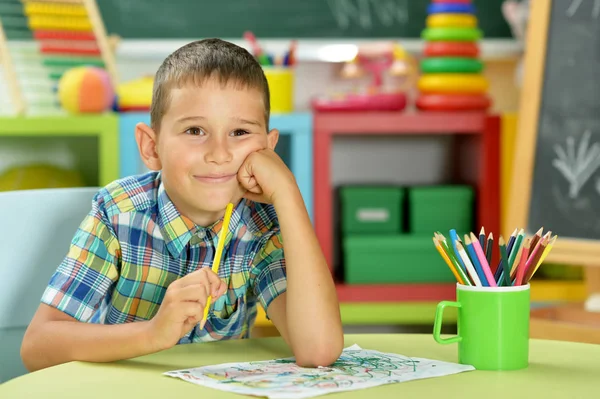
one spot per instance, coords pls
(459, 83)
(451, 21)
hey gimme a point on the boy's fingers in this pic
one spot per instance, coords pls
(191, 310)
(193, 293)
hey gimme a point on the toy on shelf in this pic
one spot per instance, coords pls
(375, 59)
(85, 90)
(451, 73)
(62, 34)
(135, 95)
(17, 100)
(39, 176)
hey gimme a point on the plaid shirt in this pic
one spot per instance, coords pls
(134, 243)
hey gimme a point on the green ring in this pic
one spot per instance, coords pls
(451, 65)
(452, 34)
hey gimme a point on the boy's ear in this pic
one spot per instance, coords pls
(272, 138)
(147, 141)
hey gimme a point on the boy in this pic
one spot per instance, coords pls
(138, 271)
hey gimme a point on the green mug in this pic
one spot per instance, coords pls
(493, 326)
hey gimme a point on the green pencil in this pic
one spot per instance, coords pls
(513, 255)
(453, 259)
(505, 263)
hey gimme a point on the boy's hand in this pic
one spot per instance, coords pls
(266, 177)
(183, 306)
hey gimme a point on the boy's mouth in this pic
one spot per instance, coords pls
(215, 178)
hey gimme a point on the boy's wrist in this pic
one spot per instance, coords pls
(288, 198)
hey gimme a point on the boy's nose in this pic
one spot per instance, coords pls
(218, 152)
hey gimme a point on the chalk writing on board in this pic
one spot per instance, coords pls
(366, 12)
(575, 4)
(578, 168)
(598, 186)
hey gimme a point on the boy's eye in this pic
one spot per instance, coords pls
(239, 132)
(194, 131)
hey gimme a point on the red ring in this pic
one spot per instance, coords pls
(453, 102)
(456, 49)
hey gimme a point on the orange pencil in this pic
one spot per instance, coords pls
(521, 266)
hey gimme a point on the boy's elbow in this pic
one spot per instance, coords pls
(324, 354)
(27, 355)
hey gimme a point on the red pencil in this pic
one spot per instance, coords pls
(522, 263)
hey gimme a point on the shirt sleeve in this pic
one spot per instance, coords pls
(84, 280)
(268, 271)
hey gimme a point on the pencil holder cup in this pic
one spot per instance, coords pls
(493, 326)
(281, 87)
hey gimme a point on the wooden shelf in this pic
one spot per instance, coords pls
(103, 126)
(329, 125)
(395, 293)
(402, 304)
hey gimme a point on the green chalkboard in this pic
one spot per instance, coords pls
(173, 19)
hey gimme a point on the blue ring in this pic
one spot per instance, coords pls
(439, 8)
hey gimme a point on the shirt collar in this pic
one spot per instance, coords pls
(177, 229)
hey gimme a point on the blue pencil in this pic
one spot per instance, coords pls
(475, 261)
(454, 238)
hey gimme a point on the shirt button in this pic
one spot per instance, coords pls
(201, 234)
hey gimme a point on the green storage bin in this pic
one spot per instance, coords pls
(440, 208)
(372, 209)
(386, 259)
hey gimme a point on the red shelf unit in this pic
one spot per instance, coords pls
(328, 125)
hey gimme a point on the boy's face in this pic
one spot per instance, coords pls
(205, 136)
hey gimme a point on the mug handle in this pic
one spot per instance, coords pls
(437, 325)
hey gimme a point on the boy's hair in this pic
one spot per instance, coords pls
(200, 60)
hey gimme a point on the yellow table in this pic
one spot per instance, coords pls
(557, 370)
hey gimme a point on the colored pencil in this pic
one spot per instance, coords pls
(481, 237)
(546, 251)
(453, 257)
(513, 266)
(218, 254)
(453, 240)
(468, 264)
(489, 247)
(485, 266)
(452, 267)
(534, 258)
(504, 257)
(536, 238)
(521, 266)
(514, 251)
(475, 260)
(501, 265)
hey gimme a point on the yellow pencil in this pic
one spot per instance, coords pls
(218, 253)
(448, 261)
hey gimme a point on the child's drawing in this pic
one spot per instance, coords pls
(282, 378)
(577, 169)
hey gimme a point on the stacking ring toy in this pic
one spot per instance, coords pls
(453, 102)
(439, 8)
(451, 34)
(451, 20)
(460, 83)
(451, 49)
(451, 65)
